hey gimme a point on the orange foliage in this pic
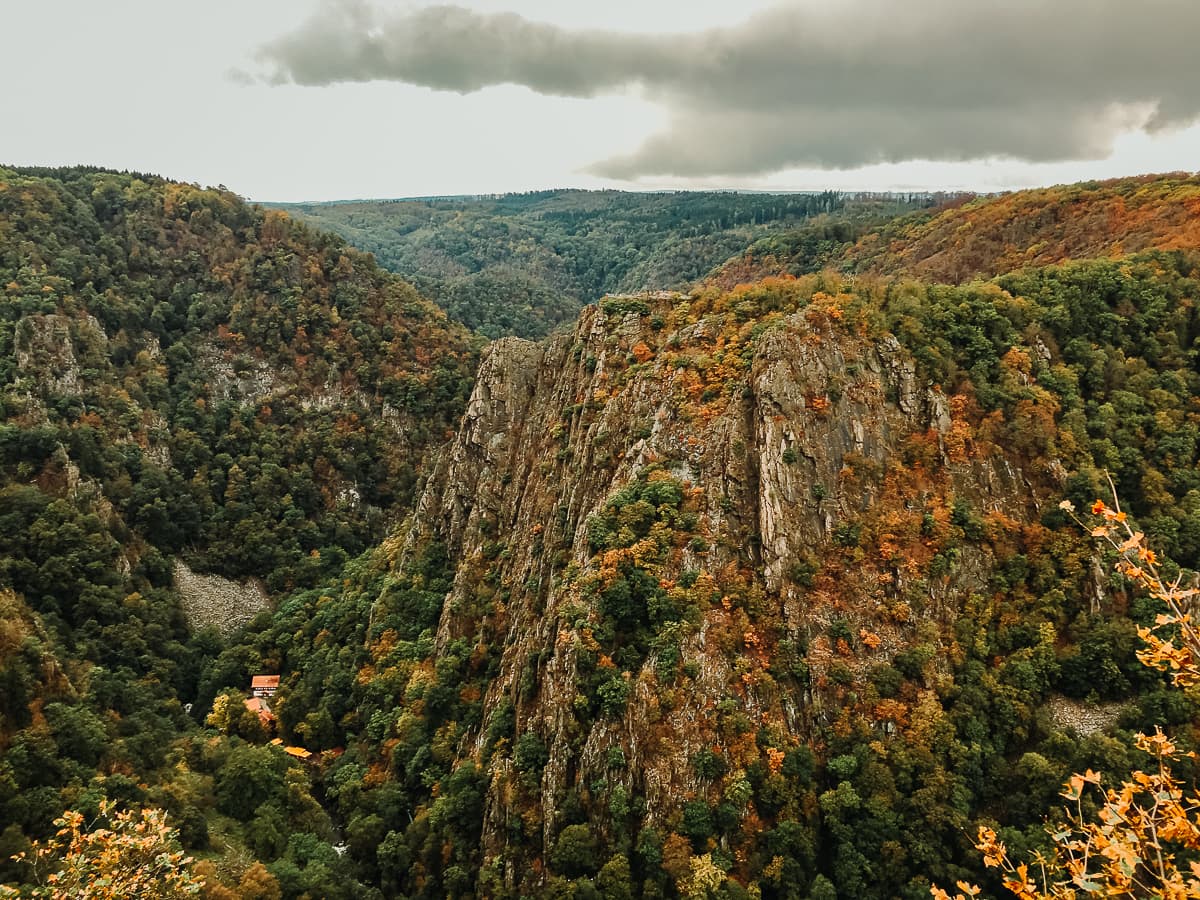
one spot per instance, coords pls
(869, 639)
(892, 711)
(994, 235)
(132, 853)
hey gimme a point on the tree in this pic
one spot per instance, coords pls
(132, 853)
(250, 777)
(615, 881)
(822, 889)
(1145, 838)
(575, 852)
(79, 733)
(258, 884)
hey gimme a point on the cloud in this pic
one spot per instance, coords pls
(835, 87)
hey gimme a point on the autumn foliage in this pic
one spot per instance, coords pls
(993, 235)
(117, 855)
(1145, 838)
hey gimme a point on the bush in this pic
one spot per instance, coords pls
(614, 695)
(530, 757)
(575, 851)
(801, 572)
(848, 534)
(708, 764)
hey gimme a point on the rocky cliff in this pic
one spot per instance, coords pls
(686, 534)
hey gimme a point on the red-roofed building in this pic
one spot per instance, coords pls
(259, 706)
(264, 685)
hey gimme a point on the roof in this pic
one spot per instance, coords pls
(264, 681)
(258, 705)
(298, 752)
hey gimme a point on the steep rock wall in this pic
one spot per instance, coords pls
(818, 474)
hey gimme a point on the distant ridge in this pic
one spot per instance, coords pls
(969, 237)
(908, 196)
(989, 236)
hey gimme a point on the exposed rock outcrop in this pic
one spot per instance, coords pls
(210, 601)
(47, 349)
(793, 443)
(1082, 717)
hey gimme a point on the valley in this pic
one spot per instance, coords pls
(525, 264)
(721, 557)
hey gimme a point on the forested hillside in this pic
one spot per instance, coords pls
(988, 236)
(181, 375)
(758, 590)
(524, 264)
(198, 360)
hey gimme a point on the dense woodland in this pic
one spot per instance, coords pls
(966, 238)
(524, 264)
(182, 374)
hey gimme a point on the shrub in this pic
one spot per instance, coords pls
(614, 695)
(847, 534)
(575, 851)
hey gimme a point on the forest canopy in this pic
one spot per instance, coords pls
(485, 621)
(525, 264)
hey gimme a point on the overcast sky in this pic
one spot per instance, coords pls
(310, 99)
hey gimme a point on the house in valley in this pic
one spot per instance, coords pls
(259, 707)
(264, 686)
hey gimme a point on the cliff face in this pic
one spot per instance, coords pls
(664, 511)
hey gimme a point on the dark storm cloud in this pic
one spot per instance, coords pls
(860, 82)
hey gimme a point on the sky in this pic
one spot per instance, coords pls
(288, 100)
